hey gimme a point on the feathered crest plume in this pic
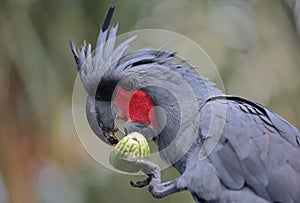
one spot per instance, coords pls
(92, 66)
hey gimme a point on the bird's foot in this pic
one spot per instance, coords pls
(156, 188)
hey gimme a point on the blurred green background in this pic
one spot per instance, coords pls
(255, 45)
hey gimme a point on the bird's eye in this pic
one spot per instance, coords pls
(128, 85)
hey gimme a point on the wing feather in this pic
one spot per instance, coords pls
(263, 145)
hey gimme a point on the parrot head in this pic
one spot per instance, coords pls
(113, 87)
(155, 94)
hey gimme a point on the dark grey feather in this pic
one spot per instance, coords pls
(228, 167)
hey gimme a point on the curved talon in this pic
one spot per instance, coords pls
(139, 184)
(130, 160)
(142, 183)
(127, 159)
(133, 184)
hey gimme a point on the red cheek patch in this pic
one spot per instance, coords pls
(135, 106)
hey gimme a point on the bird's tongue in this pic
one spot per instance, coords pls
(135, 106)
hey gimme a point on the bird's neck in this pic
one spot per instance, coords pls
(202, 91)
(171, 124)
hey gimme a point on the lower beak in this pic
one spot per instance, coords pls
(111, 138)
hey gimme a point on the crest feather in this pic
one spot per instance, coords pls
(92, 66)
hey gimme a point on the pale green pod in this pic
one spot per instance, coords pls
(134, 145)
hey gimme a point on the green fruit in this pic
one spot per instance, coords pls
(134, 145)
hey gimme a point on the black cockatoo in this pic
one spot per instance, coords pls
(226, 148)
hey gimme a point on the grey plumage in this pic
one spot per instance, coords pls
(256, 159)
